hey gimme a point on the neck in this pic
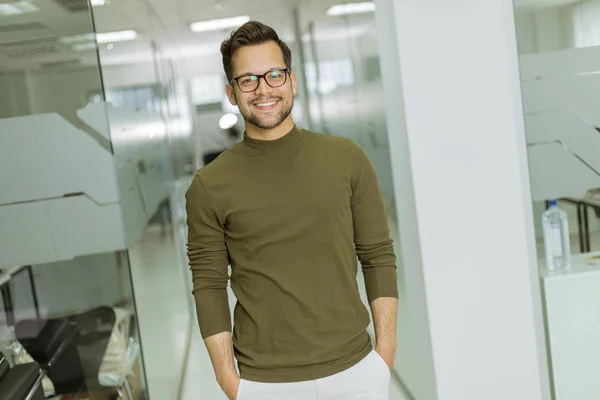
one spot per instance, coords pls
(278, 132)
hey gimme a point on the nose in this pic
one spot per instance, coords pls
(263, 86)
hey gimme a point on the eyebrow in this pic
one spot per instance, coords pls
(253, 73)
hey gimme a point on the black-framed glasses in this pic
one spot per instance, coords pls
(275, 78)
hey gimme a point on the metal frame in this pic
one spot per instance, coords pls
(7, 297)
(36, 385)
(583, 222)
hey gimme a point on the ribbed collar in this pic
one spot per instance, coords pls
(287, 141)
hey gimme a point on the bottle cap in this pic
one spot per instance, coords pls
(552, 203)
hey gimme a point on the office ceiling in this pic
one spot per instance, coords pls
(31, 40)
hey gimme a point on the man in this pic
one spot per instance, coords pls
(289, 210)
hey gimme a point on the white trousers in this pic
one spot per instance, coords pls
(367, 380)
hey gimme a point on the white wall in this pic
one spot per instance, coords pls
(526, 32)
(586, 20)
(14, 98)
(559, 28)
(544, 30)
(63, 91)
(551, 30)
(129, 75)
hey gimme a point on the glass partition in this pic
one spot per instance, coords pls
(558, 46)
(150, 123)
(67, 297)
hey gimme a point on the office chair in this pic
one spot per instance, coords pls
(22, 382)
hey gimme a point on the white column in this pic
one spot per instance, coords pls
(458, 149)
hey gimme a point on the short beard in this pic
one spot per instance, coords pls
(254, 120)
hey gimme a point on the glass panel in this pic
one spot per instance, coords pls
(67, 299)
(559, 53)
(151, 126)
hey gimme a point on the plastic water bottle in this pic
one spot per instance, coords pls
(556, 238)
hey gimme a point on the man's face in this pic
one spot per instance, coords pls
(265, 107)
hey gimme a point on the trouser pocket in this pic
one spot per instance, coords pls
(382, 362)
(240, 393)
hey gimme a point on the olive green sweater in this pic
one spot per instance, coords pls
(290, 216)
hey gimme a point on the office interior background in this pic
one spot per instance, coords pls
(107, 108)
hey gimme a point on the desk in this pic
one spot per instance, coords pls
(6, 277)
(572, 308)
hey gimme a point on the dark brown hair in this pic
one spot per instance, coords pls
(250, 34)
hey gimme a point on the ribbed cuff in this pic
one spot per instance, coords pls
(381, 282)
(212, 308)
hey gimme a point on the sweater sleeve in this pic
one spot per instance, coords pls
(374, 246)
(209, 261)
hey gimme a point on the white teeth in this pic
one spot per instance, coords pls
(267, 104)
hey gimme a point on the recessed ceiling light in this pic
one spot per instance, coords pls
(119, 36)
(87, 37)
(218, 24)
(97, 3)
(351, 8)
(101, 38)
(17, 7)
(84, 46)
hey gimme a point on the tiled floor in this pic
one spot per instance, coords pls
(163, 307)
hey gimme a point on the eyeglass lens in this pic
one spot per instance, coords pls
(274, 78)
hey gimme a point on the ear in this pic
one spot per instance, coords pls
(294, 83)
(231, 94)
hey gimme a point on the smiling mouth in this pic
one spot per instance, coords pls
(268, 105)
